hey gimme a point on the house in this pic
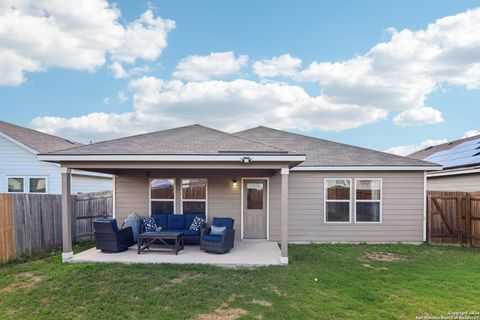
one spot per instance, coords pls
(278, 186)
(22, 172)
(461, 165)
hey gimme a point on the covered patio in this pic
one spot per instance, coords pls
(246, 253)
(232, 171)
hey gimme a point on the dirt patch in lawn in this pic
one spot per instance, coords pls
(24, 280)
(185, 277)
(366, 265)
(278, 292)
(224, 312)
(264, 303)
(384, 256)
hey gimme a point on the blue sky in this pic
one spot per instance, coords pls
(311, 31)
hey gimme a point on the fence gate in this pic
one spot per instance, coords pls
(453, 217)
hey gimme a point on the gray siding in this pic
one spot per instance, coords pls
(464, 182)
(224, 200)
(86, 184)
(402, 212)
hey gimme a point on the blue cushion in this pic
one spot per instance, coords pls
(212, 238)
(217, 230)
(189, 218)
(161, 220)
(176, 221)
(112, 221)
(223, 222)
(191, 233)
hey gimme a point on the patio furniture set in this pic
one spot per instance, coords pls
(165, 232)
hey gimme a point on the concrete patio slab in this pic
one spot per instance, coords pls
(246, 253)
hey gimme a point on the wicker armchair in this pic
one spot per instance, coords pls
(109, 238)
(218, 243)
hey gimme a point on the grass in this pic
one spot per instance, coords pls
(351, 283)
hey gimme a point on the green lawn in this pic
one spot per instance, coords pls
(321, 282)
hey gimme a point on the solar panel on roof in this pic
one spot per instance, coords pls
(466, 153)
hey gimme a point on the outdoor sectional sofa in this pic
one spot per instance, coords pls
(180, 223)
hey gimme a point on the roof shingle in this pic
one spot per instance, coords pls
(321, 152)
(194, 139)
(36, 140)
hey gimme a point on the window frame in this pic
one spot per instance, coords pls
(174, 200)
(369, 201)
(16, 177)
(325, 201)
(37, 177)
(26, 183)
(194, 200)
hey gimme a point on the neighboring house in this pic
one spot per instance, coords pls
(461, 165)
(277, 185)
(22, 172)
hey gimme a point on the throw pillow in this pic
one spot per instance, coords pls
(149, 224)
(196, 223)
(217, 230)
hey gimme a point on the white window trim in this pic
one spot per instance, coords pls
(325, 201)
(42, 177)
(194, 200)
(374, 201)
(174, 200)
(16, 177)
(26, 183)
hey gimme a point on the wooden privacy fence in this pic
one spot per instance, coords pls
(32, 223)
(453, 217)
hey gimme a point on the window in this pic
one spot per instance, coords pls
(368, 202)
(162, 196)
(254, 196)
(194, 196)
(37, 185)
(27, 184)
(337, 200)
(16, 184)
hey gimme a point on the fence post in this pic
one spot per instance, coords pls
(429, 219)
(459, 220)
(468, 219)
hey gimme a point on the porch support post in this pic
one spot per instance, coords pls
(66, 214)
(284, 226)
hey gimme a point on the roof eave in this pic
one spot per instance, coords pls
(297, 158)
(369, 168)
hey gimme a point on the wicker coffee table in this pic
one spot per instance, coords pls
(146, 239)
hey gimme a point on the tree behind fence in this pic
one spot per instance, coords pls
(32, 223)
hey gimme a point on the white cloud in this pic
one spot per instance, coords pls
(284, 65)
(420, 116)
(411, 148)
(228, 105)
(119, 72)
(106, 100)
(202, 68)
(394, 76)
(121, 97)
(78, 35)
(400, 73)
(144, 38)
(471, 133)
